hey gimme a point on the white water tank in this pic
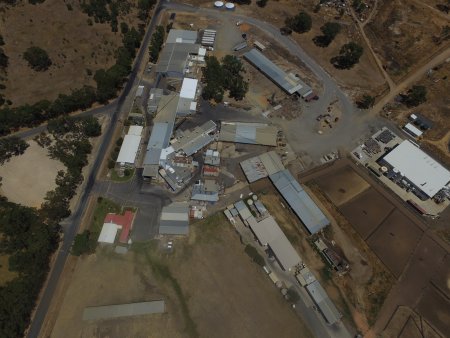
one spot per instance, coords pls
(230, 5)
(218, 4)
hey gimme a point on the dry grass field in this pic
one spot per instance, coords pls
(27, 178)
(402, 34)
(211, 289)
(73, 45)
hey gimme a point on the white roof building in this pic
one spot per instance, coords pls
(412, 130)
(423, 171)
(129, 149)
(108, 233)
(188, 88)
(135, 130)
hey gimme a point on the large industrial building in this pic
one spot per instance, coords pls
(250, 133)
(418, 168)
(270, 165)
(190, 141)
(300, 202)
(288, 82)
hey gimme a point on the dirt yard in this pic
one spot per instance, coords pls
(76, 49)
(211, 288)
(402, 33)
(27, 178)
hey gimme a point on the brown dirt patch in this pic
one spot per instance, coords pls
(27, 186)
(343, 185)
(402, 33)
(91, 286)
(71, 43)
(394, 241)
(367, 211)
(435, 308)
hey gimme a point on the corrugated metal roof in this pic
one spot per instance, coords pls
(129, 149)
(191, 141)
(300, 202)
(250, 133)
(159, 139)
(173, 58)
(326, 306)
(175, 219)
(269, 233)
(123, 310)
(181, 36)
(272, 71)
(272, 162)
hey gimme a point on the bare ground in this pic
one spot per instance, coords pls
(27, 178)
(73, 46)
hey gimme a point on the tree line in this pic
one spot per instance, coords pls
(29, 236)
(224, 76)
(108, 81)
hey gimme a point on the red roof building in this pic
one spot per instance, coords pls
(209, 170)
(125, 222)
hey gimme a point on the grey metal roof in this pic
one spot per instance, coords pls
(153, 100)
(150, 170)
(123, 310)
(159, 139)
(167, 108)
(261, 166)
(181, 36)
(273, 72)
(300, 202)
(200, 193)
(250, 133)
(326, 306)
(173, 58)
(175, 219)
(191, 141)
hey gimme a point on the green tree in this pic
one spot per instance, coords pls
(254, 255)
(329, 32)
(37, 58)
(11, 146)
(301, 23)
(156, 43)
(124, 28)
(349, 55)
(365, 102)
(415, 96)
(261, 3)
(292, 296)
(3, 59)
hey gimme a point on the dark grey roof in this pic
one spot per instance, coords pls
(300, 202)
(326, 306)
(273, 72)
(191, 141)
(123, 310)
(173, 58)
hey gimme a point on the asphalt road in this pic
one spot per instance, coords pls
(73, 222)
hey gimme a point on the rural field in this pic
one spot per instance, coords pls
(211, 289)
(406, 33)
(76, 45)
(400, 241)
(28, 177)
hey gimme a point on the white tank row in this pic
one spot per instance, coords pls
(221, 4)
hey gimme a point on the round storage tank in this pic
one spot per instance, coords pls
(249, 202)
(255, 197)
(230, 6)
(218, 4)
